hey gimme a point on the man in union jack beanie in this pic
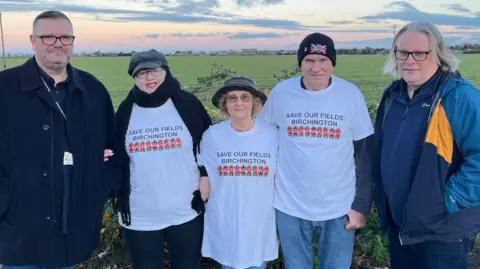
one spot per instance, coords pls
(318, 186)
(317, 43)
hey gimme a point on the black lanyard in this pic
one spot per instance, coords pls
(58, 105)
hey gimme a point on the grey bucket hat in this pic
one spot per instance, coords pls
(238, 83)
(145, 60)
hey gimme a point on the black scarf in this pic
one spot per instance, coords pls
(168, 89)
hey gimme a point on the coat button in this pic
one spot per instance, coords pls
(48, 218)
(46, 127)
(45, 174)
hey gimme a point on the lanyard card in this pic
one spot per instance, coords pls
(68, 158)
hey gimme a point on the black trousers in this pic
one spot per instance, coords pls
(184, 244)
(429, 255)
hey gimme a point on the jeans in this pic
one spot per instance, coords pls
(33, 267)
(335, 243)
(428, 255)
(184, 243)
(251, 267)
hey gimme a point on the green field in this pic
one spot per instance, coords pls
(364, 71)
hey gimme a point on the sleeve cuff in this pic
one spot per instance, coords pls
(361, 208)
(203, 171)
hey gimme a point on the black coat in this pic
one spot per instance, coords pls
(193, 115)
(31, 168)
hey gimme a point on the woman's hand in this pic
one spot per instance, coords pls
(107, 153)
(204, 187)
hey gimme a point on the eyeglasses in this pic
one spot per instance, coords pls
(157, 72)
(417, 55)
(232, 98)
(51, 40)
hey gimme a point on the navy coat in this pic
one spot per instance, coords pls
(44, 219)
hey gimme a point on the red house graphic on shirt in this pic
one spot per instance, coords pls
(266, 171)
(248, 170)
(131, 147)
(159, 145)
(168, 144)
(338, 133)
(326, 132)
(237, 170)
(149, 145)
(178, 142)
(308, 131)
(220, 170)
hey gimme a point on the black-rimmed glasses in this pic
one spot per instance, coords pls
(417, 55)
(156, 72)
(51, 39)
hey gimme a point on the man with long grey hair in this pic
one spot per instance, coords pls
(427, 166)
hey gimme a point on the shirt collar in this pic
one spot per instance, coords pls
(49, 79)
(303, 84)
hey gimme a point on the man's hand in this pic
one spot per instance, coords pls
(204, 187)
(107, 153)
(355, 220)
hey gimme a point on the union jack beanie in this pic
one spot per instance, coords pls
(317, 43)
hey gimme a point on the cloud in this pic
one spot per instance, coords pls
(341, 22)
(196, 35)
(42, 6)
(185, 11)
(406, 12)
(371, 31)
(187, 7)
(250, 3)
(17, 1)
(268, 23)
(228, 35)
(387, 42)
(403, 6)
(466, 27)
(461, 33)
(243, 35)
(166, 17)
(458, 8)
(152, 36)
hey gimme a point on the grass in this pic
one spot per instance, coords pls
(363, 70)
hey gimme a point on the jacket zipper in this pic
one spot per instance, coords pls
(394, 148)
(432, 108)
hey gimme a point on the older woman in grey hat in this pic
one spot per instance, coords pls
(239, 155)
(159, 126)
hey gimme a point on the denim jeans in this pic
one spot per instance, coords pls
(428, 255)
(335, 243)
(33, 267)
(251, 267)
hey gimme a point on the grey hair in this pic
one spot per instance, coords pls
(51, 14)
(445, 57)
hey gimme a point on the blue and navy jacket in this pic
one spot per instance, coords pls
(443, 203)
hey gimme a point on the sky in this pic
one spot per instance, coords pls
(212, 25)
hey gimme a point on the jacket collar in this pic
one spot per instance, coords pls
(30, 76)
(448, 81)
(451, 82)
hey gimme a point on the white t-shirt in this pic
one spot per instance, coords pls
(316, 171)
(240, 229)
(163, 171)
